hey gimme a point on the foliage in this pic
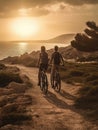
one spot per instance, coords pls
(9, 74)
(87, 41)
(13, 100)
(7, 77)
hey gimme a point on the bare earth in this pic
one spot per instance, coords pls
(55, 111)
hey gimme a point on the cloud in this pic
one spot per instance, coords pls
(9, 8)
(79, 2)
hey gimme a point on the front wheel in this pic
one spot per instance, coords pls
(57, 86)
(44, 83)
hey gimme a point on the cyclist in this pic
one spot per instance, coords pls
(42, 62)
(56, 60)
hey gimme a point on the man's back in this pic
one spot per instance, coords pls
(56, 58)
(44, 58)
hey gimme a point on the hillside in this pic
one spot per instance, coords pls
(71, 53)
(64, 38)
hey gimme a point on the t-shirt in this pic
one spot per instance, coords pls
(56, 58)
(44, 58)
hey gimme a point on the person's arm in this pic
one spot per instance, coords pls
(62, 59)
(38, 60)
(51, 59)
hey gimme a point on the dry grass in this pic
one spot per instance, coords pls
(87, 75)
(13, 100)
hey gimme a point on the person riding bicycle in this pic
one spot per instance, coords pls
(42, 62)
(56, 60)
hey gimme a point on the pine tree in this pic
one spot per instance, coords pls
(87, 41)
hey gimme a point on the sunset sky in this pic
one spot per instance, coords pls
(44, 19)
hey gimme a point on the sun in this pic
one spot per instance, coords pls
(25, 27)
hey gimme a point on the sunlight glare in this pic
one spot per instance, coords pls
(25, 27)
(23, 47)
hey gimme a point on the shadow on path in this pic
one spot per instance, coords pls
(52, 98)
(67, 95)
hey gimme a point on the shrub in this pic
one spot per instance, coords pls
(76, 73)
(7, 77)
(13, 118)
(2, 66)
(91, 77)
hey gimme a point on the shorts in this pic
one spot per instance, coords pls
(54, 67)
(43, 67)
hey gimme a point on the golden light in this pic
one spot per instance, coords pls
(23, 12)
(25, 26)
(22, 47)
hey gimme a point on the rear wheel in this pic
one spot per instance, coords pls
(44, 83)
(41, 83)
(57, 84)
(52, 81)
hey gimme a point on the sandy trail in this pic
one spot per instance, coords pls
(55, 111)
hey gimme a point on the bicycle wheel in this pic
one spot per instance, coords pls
(57, 84)
(52, 81)
(41, 82)
(45, 85)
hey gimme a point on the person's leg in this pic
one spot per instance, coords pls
(58, 70)
(52, 75)
(46, 68)
(39, 73)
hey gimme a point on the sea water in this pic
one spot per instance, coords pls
(19, 48)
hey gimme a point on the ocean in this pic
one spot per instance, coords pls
(19, 48)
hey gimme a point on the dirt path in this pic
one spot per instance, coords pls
(55, 111)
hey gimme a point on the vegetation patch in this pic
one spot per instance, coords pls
(13, 100)
(7, 77)
(87, 76)
(92, 77)
(76, 73)
(13, 118)
(2, 66)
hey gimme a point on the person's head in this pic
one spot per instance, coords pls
(43, 48)
(56, 48)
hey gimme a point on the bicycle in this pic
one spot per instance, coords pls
(43, 82)
(56, 81)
